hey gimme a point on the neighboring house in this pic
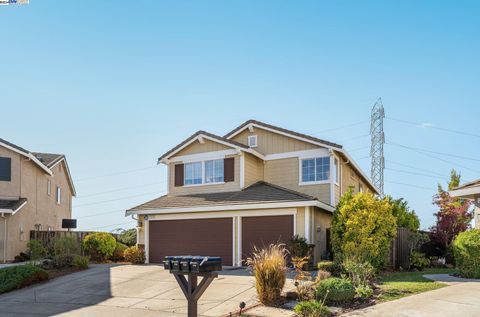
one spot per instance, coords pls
(36, 192)
(256, 185)
(470, 190)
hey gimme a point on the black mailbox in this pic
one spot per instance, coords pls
(201, 264)
(167, 262)
(185, 263)
(176, 263)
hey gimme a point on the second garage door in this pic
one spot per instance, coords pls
(261, 231)
(211, 237)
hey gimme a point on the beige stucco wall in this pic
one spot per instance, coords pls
(285, 173)
(40, 208)
(11, 189)
(253, 169)
(269, 142)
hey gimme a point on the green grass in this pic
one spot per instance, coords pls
(401, 284)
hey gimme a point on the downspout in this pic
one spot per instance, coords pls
(4, 238)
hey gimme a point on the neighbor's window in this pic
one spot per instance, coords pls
(316, 169)
(214, 171)
(49, 187)
(193, 173)
(336, 174)
(360, 187)
(58, 195)
(5, 169)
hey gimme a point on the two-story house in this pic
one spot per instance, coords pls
(256, 185)
(36, 192)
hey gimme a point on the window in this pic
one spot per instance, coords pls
(214, 171)
(360, 187)
(58, 195)
(336, 173)
(5, 169)
(315, 169)
(252, 141)
(206, 172)
(193, 173)
(49, 188)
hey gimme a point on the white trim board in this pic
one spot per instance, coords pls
(465, 192)
(205, 156)
(234, 207)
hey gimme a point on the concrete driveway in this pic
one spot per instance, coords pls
(126, 290)
(461, 298)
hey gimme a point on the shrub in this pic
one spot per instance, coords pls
(311, 308)
(118, 253)
(303, 279)
(330, 266)
(36, 250)
(134, 255)
(63, 250)
(19, 276)
(466, 247)
(360, 273)
(22, 257)
(418, 261)
(334, 290)
(298, 246)
(322, 275)
(99, 245)
(81, 262)
(128, 237)
(269, 267)
(363, 227)
(364, 291)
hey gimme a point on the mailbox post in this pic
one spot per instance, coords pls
(193, 267)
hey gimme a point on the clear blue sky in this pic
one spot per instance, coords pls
(114, 84)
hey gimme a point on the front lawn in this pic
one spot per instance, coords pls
(401, 284)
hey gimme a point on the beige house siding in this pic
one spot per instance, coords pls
(269, 142)
(11, 189)
(184, 190)
(197, 147)
(285, 173)
(322, 221)
(40, 208)
(253, 169)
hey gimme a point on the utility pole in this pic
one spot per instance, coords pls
(377, 142)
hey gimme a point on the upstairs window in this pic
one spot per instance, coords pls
(315, 169)
(49, 188)
(214, 171)
(58, 195)
(193, 173)
(252, 141)
(336, 171)
(5, 169)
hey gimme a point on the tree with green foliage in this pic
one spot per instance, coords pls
(128, 237)
(406, 218)
(362, 228)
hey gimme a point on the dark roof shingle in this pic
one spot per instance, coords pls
(260, 192)
(48, 159)
(12, 204)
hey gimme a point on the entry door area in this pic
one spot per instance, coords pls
(212, 237)
(261, 231)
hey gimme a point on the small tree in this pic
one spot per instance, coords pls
(362, 228)
(406, 218)
(454, 215)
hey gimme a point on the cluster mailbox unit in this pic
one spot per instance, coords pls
(192, 267)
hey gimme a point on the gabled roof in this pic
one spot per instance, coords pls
(304, 138)
(209, 136)
(45, 161)
(12, 206)
(276, 129)
(256, 194)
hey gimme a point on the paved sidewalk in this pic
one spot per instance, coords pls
(459, 299)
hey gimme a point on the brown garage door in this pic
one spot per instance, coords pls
(261, 231)
(211, 237)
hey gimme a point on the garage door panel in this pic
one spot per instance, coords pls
(211, 237)
(262, 231)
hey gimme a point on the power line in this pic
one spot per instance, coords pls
(355, 138)
(344, 126)
(434, 152)
(415, 167)
(117, 224)
(411, 185)
(101, 213)
(421, 125)
(414, 173)
(116, 173)
(359, 148)
(119, 189)
(110, 200)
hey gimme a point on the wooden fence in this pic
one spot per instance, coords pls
(400, 249)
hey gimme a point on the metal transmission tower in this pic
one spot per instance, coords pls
(378, 140)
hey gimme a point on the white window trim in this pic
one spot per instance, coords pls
(302, 183)
(203, 174)
(337, 170)
(253, 137)
(58, 195)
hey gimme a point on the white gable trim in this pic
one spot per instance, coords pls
(28, 155)
(70, 179)
(13, 212)
(466, 192)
